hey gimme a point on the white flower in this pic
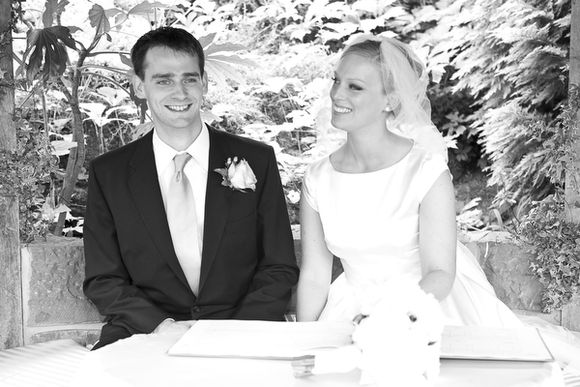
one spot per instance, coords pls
(400, 337)
(293, 196)
(238, 175)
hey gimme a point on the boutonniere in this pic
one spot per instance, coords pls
(237, 175)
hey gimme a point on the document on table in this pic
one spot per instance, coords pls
(261, 339)
(487, 343)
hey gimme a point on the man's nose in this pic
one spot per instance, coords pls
(181, 89)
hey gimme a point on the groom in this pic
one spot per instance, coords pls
(167, 237)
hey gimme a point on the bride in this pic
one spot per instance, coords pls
(384, 202)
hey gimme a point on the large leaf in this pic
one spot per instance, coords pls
(126, 59)
(52, 8)
(221, 60)
(99, 20)
(48, 53)
(48, 14)
(62, 147)
(146, 8)
(206, 40)
(230, 47)
(231, 59)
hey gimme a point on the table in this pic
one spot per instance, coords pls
(141, 360)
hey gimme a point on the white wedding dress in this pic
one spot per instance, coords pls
(371, 222)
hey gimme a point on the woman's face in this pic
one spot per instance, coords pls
(357, 94)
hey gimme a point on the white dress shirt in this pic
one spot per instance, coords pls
(195, 170)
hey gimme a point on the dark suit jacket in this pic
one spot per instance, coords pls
(132, 273)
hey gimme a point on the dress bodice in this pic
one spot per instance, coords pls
(371, 220)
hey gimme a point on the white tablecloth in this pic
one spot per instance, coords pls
(142, 361)
(49, 364)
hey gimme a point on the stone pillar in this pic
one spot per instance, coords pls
(54, 306)
(571, 314)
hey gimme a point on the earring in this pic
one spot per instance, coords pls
(392, 103)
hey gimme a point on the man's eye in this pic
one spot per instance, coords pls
(164, 82)
(191, 80)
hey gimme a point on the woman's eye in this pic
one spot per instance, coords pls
(355, 87)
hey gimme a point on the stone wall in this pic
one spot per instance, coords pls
(54, 306)
(505, 264)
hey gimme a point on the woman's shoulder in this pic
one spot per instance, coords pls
(319, 166)
(423, 155)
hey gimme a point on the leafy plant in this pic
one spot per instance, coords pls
(553, 239)
(280, 96)
(512, 58)
(46, 64)
(28, 173)
(555, 243)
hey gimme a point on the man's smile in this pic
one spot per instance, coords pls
(178, 108)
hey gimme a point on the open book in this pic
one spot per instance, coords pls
(261, 339)
(488, 343)
(294, 340)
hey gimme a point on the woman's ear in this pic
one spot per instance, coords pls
(392, 103)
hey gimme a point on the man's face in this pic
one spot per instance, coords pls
(174, 88)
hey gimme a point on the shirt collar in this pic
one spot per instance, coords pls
(199, 150)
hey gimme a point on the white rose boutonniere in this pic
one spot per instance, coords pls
(238, 175)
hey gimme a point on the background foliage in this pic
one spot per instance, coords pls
(512, 58)
(498, 70)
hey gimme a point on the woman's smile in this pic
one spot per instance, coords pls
(341, 109)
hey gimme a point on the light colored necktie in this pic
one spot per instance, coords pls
(183, 222)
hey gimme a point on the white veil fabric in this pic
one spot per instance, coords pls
(405, 79)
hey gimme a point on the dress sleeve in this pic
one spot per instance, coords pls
(432, 167)
(309, 188)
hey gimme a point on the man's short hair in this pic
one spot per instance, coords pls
(176, 39)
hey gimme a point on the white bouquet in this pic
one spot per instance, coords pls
(399, 337)
(396, 340)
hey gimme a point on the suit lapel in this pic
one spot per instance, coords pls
(217, 203)
(144, 187)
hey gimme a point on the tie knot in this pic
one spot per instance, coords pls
(180, 160)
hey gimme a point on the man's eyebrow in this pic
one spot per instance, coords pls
(162, 75)
(171, 75)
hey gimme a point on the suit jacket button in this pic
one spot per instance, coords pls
(196, 309)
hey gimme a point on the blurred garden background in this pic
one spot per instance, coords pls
(499, 74)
